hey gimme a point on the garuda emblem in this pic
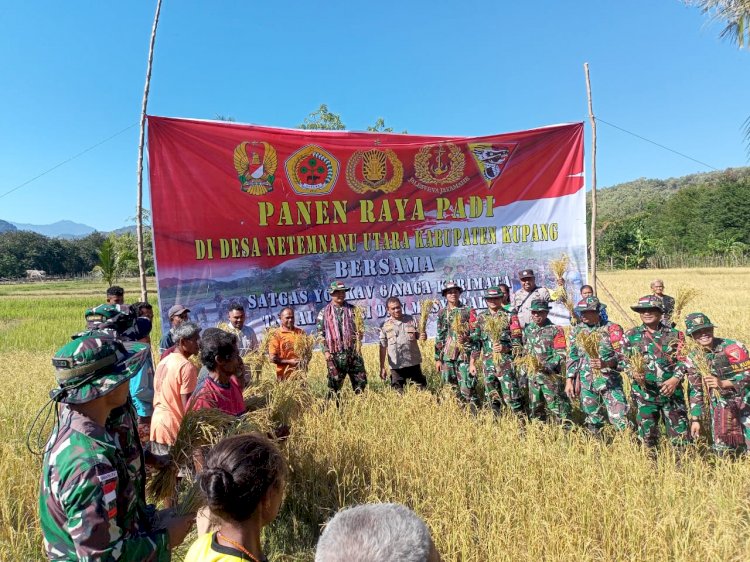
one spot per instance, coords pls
(374, 170)
(256, 164)
(491, 159)
(312, 170)
(439, 166)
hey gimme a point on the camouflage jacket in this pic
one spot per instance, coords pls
(85, 503)
(450, 346)
(611, 342)
(481, 343)
(661, 351)
(547, 342)
(728, 360)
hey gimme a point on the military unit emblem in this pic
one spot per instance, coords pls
(491, 159)
(312, 170)
(439, 168)
(256, 164)
(374, 170)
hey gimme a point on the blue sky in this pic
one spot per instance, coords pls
(73, 75)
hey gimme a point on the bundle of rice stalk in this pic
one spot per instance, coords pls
(304, 344)
(685, 295)
(289, 400)
(560, 266)
(636, 364)
(529, 363)
(697, 356)
(425, 308)
(495, 326)
(257, 358)
(257, 395)
(460, 328)
(359, 327)
(589, 342)
(190, 499)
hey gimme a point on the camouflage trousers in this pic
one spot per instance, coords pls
(344, 363)
(739, 413)
(549, 391)
(456, 374)
(598, 405)
(500, 384)
(652, 407)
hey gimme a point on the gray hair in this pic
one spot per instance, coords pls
(375, 532)
(186, 331)
(657, 282)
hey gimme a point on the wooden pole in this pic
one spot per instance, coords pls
(592, 258)
(139, 203)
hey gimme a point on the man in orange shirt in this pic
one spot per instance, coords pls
(281, 345)
(174, 383)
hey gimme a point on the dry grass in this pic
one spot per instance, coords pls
(486, 492)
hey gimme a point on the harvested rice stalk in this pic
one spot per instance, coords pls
(529, 363)
(560, 266)
(257, 358)
(589, 342)
(460, 328)
(304, 344)
(190, 499)
(425, 308)
(359, 327)
(685, 295)
(697, 356)
(289, 400)
(636, 365)
(495, 326)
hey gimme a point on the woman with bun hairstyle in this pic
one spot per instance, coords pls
(243, 482)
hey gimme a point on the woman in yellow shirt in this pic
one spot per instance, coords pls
(243, 482)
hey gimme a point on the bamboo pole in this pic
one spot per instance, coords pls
(139, 202)
(592, 259)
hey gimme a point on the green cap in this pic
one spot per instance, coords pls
(589, 303)
(696, 321)
(93, 365)
(493, 293)
(537, 305)
(337, 286)
(648, 302)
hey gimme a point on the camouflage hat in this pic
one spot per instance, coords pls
(493, 293)
(648, 302)
(337, 286)
(115, 317)
(537, 305)
(697, 321)
(451, 284)
(589, 303)
(526, 273)
(94, 365)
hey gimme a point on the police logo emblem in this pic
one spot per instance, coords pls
(439, 168)
(374, 170)
(491, 159)
(312, 170)
(256, 164)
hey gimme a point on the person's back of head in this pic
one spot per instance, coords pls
(376, 532)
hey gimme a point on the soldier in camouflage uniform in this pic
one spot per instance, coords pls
(728, 383)
(336, 326)
(452, 348)
(546, 342)
(90, 506)
(500, 383)
(600, 381)
(657, 393)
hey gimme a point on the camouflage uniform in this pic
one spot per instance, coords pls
(500, 383)
(729, 408)
(347, 360)
(601, 394)
(660, 351)
(546, 386)
(92, 500)
(453, 351)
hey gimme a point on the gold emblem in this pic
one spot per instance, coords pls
(256, 164)
(439, 168)
(374, 170)
(312, 170)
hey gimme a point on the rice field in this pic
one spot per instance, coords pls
(487, 490)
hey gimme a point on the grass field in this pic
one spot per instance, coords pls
(487, 492)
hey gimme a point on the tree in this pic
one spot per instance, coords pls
(379, 127)
(322, 119)
(114, 260)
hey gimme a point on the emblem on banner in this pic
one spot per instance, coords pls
(374, 170)
(491, 159)
(312, 170)
(439, 168)
(256, 164)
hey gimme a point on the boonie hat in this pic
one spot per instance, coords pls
(589, 303)
(451, 284)
(526, 273)
(539, 305)
(176, 310)
(93, 365)
(696, 321)
(648, 302)
(337, 286)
